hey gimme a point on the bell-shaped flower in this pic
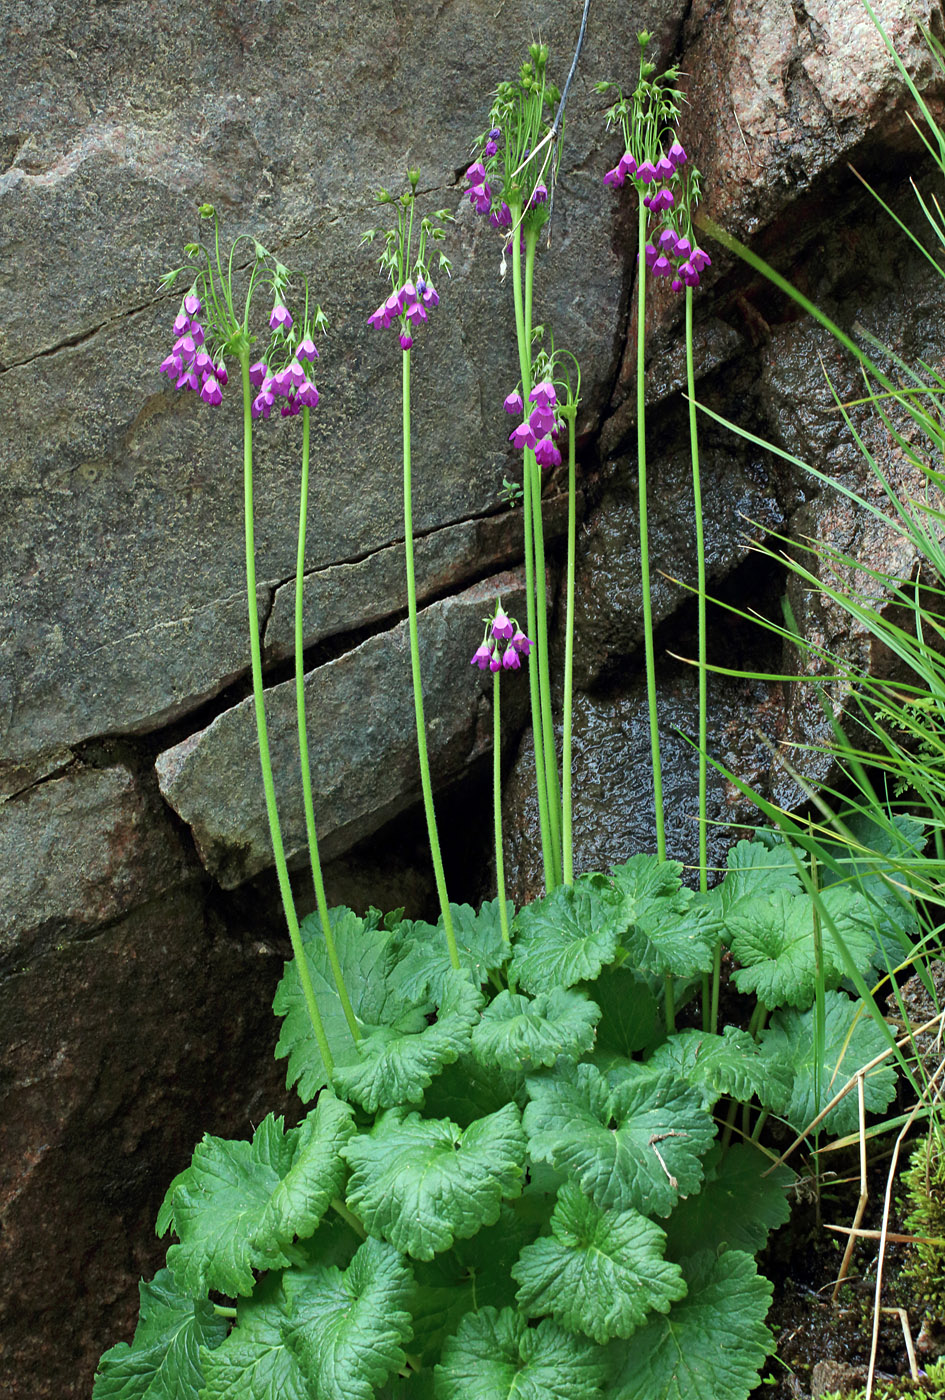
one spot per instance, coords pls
(627, 165)
(676, 154)
(546, 454)
(257, 373)
(676, 285)
(290, 409)
(416, 313)
(211, 391)
(511, 661)
(665, 168)
(523, 436)
(542, 419)
(650, 254)
(185, 345)
(181, 323)
(689, 274)
(476, 172)
(495, 663)
(512, 404)
(281, 383)
(502, 627)
(662, 267)
(490, 148)
(262, 403)
(430, 296)
(539, 195)
(192, 304)
(482, 656)
(646, 172)
(700, 259)
(521, 643)
(683, 248)
(188, 378)
(307, 395)
(306, 349)
(280, 319)
(203, 363)
(172, 365)
(405, 340)
(614, 177)
(544, 393)
(296, 374)
(501, 217)
(668, 241)
(220, 371)
(480, 197)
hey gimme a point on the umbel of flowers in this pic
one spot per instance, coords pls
(413, 295)
(656, 163)
(501, 631)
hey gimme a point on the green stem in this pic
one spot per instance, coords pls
(757, 1020)
(567, 853)
(348, 1216)
(308, 803)
(552, 786)
(760, 1121)
(644, 542)
(524, 357)
(425, 782)
(275, 831)
(670, 1003)
(497, 809)
(221, 1311)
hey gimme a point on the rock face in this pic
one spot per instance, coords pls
(135, 997)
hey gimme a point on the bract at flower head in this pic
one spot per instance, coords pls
(280, 319)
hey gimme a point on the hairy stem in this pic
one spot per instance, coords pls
(275, 831)
(567, 853)
(308, 803)
(497, 808)
(425, 782)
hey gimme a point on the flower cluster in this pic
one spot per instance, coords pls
(501, 629)
(536, 431)
(408, 306)
(292, 381)
(190, 363)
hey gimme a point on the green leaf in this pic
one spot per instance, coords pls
(349, 1329)
(163, 1360)
(239, 1205)
(710, 1346)
(666, 931)
(425, 966)
(629, 1010)
(632, 1147)
(367, 955)
(600, 1273)
(729, 1063)
(467, 1090)
(756, 869)
(773, 938)
(890, 911)
(317, 1332)
(421, 1183)
(517, 1032)
(566, 937)
(473, 1274)
(497, 1356)
(740, 1202)
(851, 1040)
(398, 1062)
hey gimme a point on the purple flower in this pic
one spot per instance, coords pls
(211, 391)
(295, 374)
(614, 177)
(676, 154)
(476, 172)
(405, 340)
(649, 253)
(539, 195)
(542, 419)
(683, 248)
(394, 304)
(494, 663)
(648, 201)
(522, 643)
(501, 217)
(502, 627)
(185, 345)
(196, 330)
(511, 661)
(646, 172)
(676, 285)
(546, 454)
(513, 402)
(257, 373)
(220, 371)
(689, 274)
(523, 436)
(490, 148)
(480, 197)
(172, 365)
(262, 404)
(700, 260)
(290, 409)
(307, 349)
(627, 165)
(430, 296)
(181, 323)
(281, 383)
(665, 168)
(482, 656)
(192, 304)
(188, 378)
(668, 241)
(663, 199)
(495, 133)
(544, 393)
(203, 363)
(280, 320)
(307, 395)
(416, 312)
(408, 293)
(380, 317)
(662, 267)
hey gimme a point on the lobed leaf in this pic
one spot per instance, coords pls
(729, 1063)
(467, 1090)
(517, 1032)
(396, 1063)
(773, 939)
(421, 1183)
(666, 931)
(851, 1040)
(630, 1011)
(601, 1272)
(163, 1360)
(741, 1201)
(367, 954)
(497, 1356)
(425, 967)
(712, 1343)
(632, 1147)
(568, 936)
(239, 1205)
